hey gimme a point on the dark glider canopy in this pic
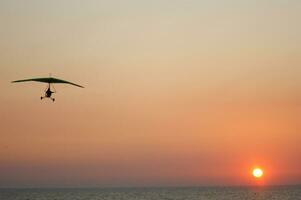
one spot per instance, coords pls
(48, 80)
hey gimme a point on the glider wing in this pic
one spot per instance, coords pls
(48, 80)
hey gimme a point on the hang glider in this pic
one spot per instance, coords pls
(50, 81)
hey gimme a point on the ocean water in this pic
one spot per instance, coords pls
(188, 193)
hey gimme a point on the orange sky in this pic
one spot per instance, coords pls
(188, 93)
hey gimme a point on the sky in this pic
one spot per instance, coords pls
(176, 92)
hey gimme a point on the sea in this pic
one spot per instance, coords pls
(157, 193)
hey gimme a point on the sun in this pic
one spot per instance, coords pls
(257, 172)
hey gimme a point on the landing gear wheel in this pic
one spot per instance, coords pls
(53, 99)
(41, 98)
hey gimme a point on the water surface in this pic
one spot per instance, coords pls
(187, 193)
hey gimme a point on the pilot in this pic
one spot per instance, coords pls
(48, 92)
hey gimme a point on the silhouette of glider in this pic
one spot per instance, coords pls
(49, 80)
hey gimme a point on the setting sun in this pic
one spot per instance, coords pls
(257, 173)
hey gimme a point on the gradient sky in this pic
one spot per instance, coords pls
(177, 92)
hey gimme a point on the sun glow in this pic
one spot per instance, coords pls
(257, 172)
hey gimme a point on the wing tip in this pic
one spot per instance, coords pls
(77, 85)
